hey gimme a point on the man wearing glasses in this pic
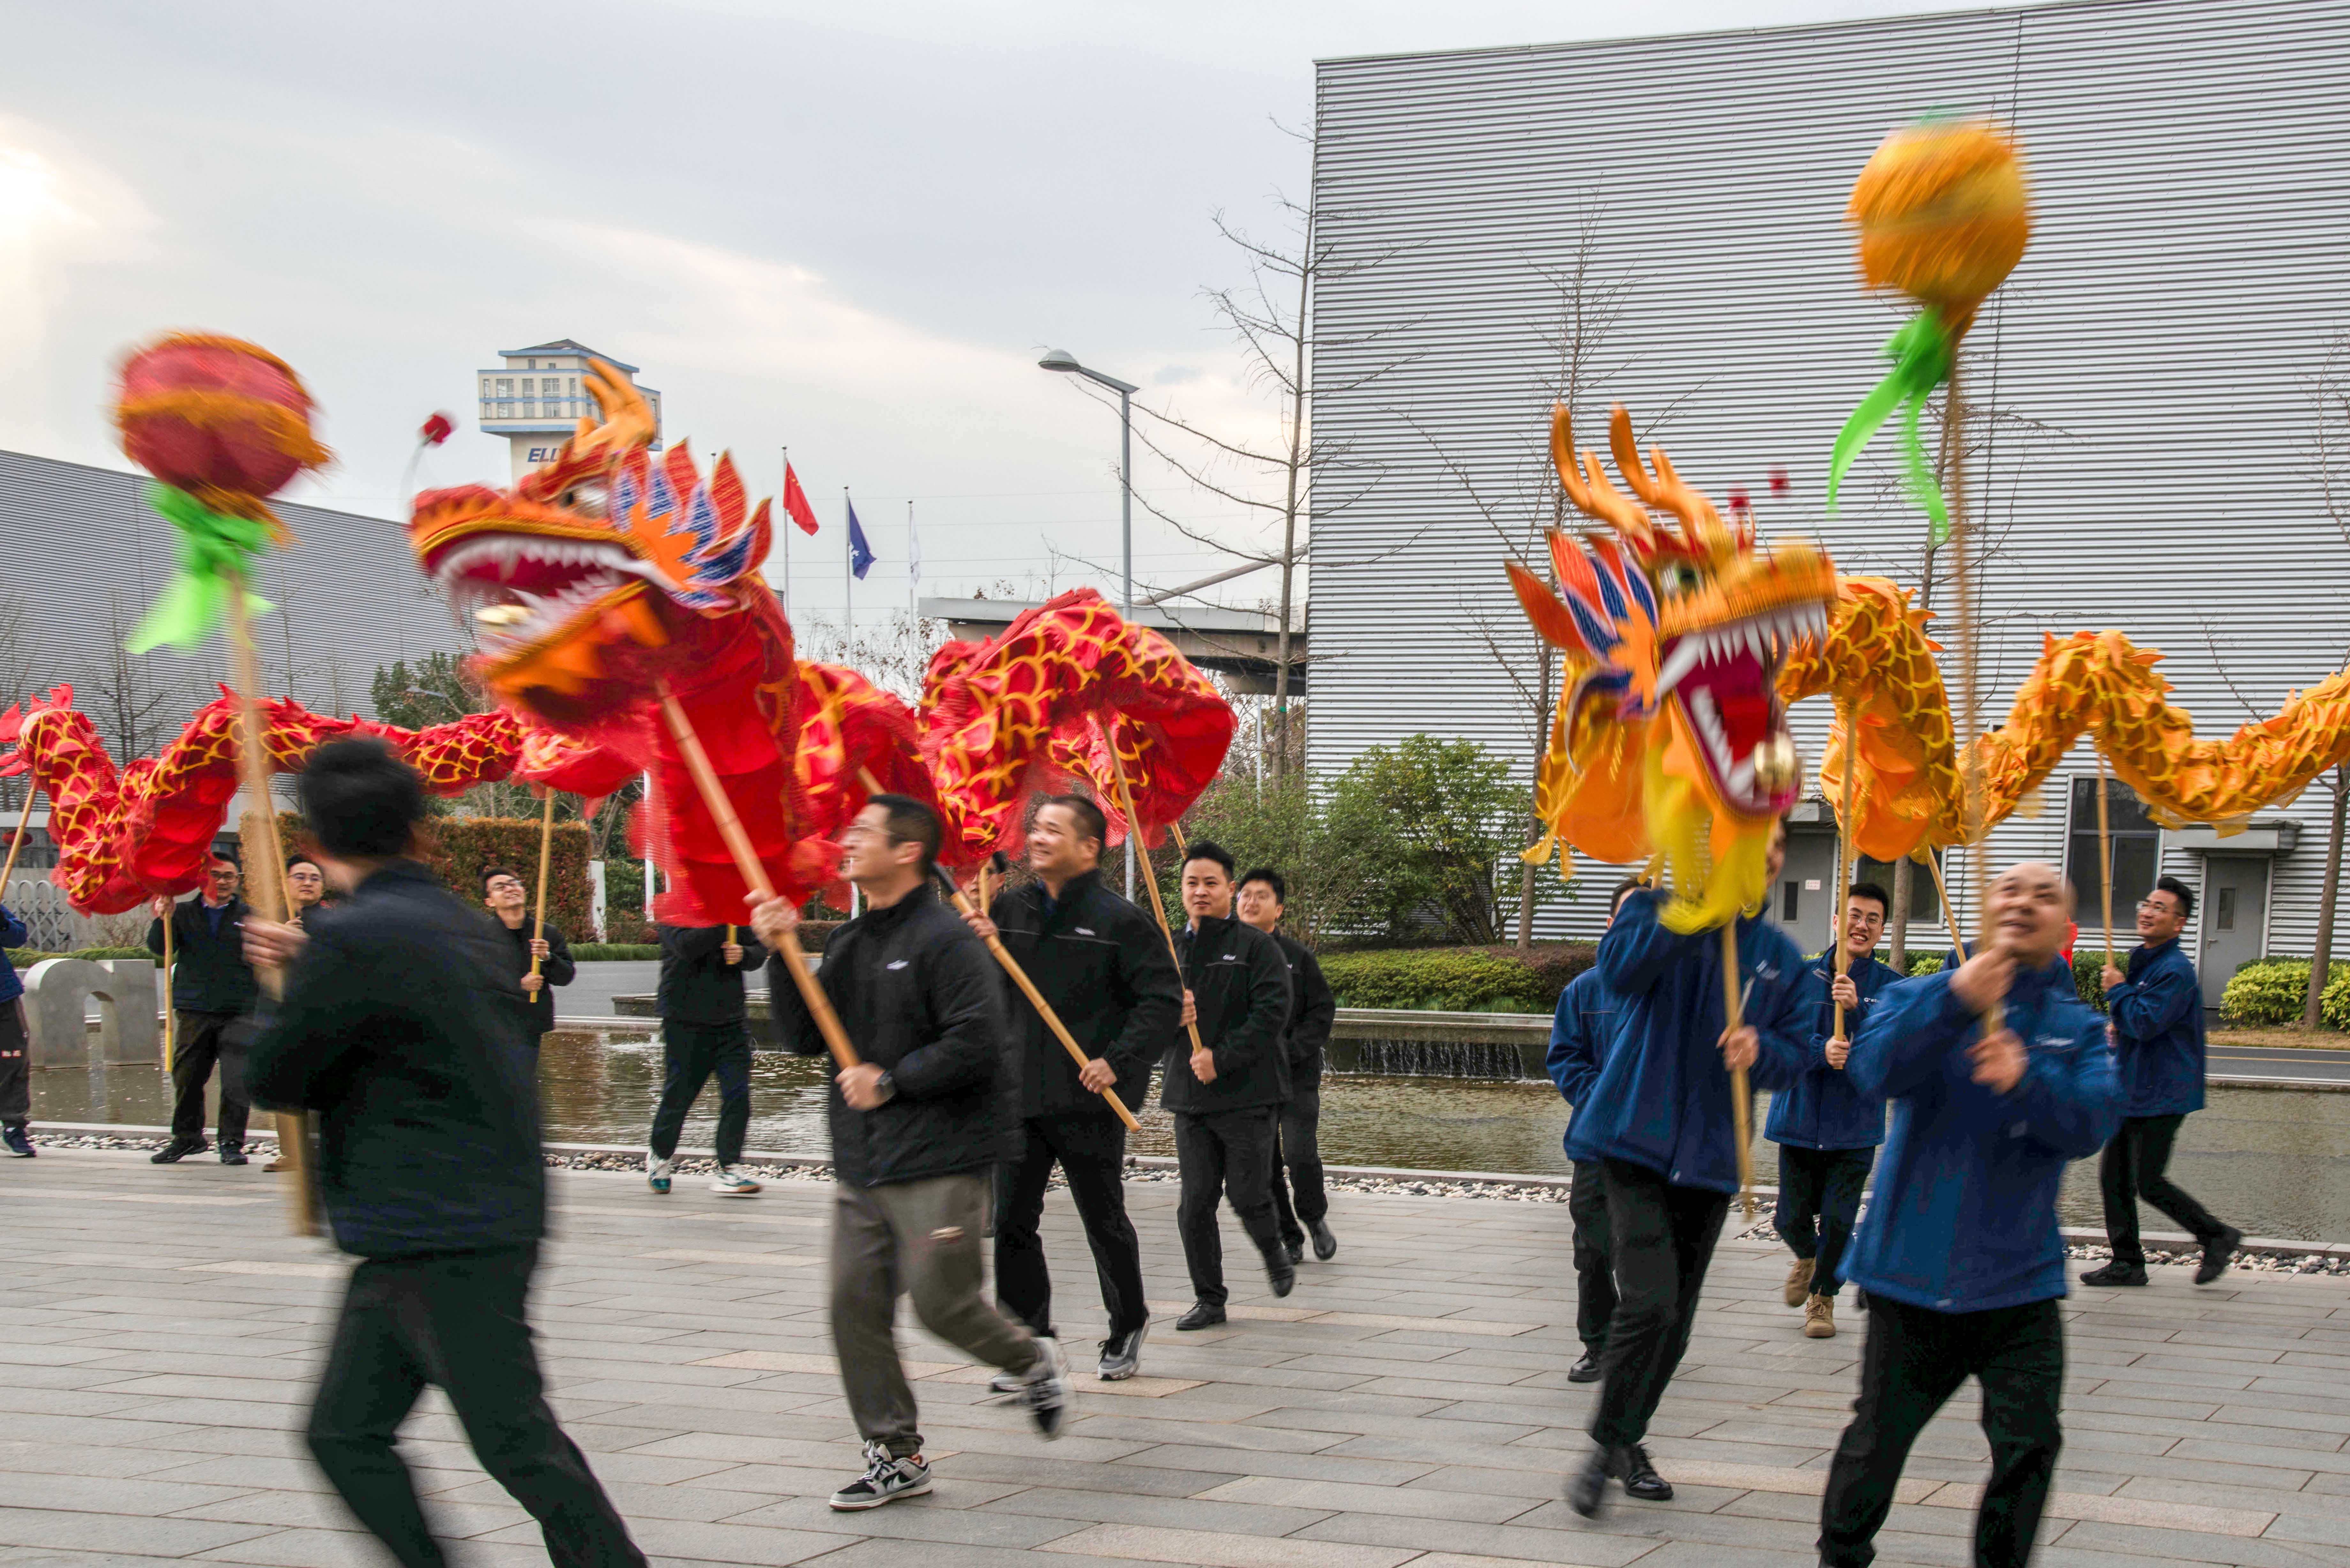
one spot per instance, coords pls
(2157, 1008)
(509, 900)
(1827, 1131)
(211, 987)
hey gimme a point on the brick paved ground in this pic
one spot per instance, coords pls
(1407, 1404)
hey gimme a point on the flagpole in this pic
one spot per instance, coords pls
(848, 628)
(789, 525)
(913, 563)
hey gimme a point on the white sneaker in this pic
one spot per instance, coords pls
(658, 1171)
(731, 1182)
(884, 1480)
(1046, 1393)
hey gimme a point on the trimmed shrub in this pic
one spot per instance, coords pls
(1926, 963)
(614, 952)
(2088, 973)
(1455, 980)
(2334, 1007)
(457, 847)
(2268, 993)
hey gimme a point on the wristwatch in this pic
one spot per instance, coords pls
(886, 1087)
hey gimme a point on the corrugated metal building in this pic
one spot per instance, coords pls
(1660, 221)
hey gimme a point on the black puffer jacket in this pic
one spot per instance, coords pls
(697, 984)
(1312, 1010)
(403, 1027)
(918, 994)
(209, 974)
(1103, 965)
(1239, 982)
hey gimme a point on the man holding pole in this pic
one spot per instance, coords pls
(1827, 1129)
(1660, 1121)
(2157, 1006)
(1099, 963)
(1960, 1251)
(211, 987)
(542, 957)
(1313, 1009)
(919, 1124)
(16, 1079)
(705, 1031)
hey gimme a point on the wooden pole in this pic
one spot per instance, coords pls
(2106, 855)
(1149, 872)
(546, 845)
(1954, 474)
(1844, 855)
(1742, 1111)
(172, 1019)
(746, 861)
(1949, 915)
(257, 832)
(18, 841)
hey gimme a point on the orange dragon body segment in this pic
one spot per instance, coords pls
(1044, 701)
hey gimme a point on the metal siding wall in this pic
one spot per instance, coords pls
(2148, 361)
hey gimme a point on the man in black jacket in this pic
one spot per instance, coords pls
(1262, 896)
(400, 1027)
(1102, 965)
(918, 1128)
(1225, 1080)
(503, 893)
(211, 987)
(704, 1032)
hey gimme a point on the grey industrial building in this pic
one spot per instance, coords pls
(1660, 221)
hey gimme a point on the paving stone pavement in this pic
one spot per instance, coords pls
(1407, 1404)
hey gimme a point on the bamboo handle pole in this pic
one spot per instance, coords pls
(17, 841)
(746, 861)
(1151, 872)
(1844, 855)
(546, 845)
(1962, 579)
(1742, 1112)
(171, 1019)
(1949, 915)
(257, 832)
(2106, 855)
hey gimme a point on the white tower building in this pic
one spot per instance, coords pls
(535, 400)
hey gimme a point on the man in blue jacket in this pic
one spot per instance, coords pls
(16, 1082)
(1580, 1030)
(1959, 1250)
(1827, 1129)
(2158, 1035)
(1658, 1120)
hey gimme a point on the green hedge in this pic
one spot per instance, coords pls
(610, 952)
(2271, 992)
(1455, 980)
(25, 958)
(2087, 966)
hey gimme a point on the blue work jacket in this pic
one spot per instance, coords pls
(2158, 1033)
(1662, 1101)
(1580, 1030)
(13, 934)
(1821, 1110)
(1963, 1218)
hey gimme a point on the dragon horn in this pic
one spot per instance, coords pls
(628, 419)
(1588, 488)
(1700, 524)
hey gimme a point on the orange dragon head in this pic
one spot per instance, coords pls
(1670, 719)
(597, 574)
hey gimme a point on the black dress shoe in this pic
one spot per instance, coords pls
(1640, 1477)
(178, 1149)
(231, 1155)
(1326, 1245)
(1204, 1315)
(2115, 1273)
(1295, 1250)
(1281, 1274)
(2216, 1255)
(1587, 1488)
(1585, 1370)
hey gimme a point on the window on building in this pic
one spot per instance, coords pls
(1925, 903)
(1789, 902)
(505, 387)
(2136, 845)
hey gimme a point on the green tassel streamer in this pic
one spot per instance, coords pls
(1922, 353)
(212, 545)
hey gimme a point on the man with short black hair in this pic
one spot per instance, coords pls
(211, 987)
(505, 895)
(401, 1028)
(1263, 896)
(705, 1030)
(1583, 1029)
(918, 1128)
(1102, 966)
(1226, 1090)
(2157, 1007)
(1827, 1129)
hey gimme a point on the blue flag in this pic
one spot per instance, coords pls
(860, 553)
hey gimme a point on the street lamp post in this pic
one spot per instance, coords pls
(1062, 360)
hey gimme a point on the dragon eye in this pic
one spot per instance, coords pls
(1678, 578)
(587, 500)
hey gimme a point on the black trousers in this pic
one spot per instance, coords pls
(1091, 1153)
(690, 1052)
(1297, 1145)
(1595, 1276)
(1915, 1360)
(1660, 1238)
(454, 1319)
(16, 1075)
(201, 1041)
(2132, 1167)
(1819, 1201)
(1217, 1155)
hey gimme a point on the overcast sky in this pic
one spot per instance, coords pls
(847, 228)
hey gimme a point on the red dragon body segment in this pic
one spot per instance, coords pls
(1031, 708)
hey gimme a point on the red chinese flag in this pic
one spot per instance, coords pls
(795, 502)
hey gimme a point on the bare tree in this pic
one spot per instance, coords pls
(16, 682)
(129, 707)
(2330, 459)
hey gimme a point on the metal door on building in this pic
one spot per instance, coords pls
(2235, 915)
(1803, 902)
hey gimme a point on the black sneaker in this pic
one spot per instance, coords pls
(1047, 1391)
(13, 1137)
(1281, 1274)
(1587, 1370)
(1587, 1488)
(178, 1149)
(1326, 1245)
(231, 1155)
(886, 1479)
(1295, 1251)
(1121, 1355)
(2115, 1273)
(2217, 1253)
(1203, 1314)
(1640, 1477)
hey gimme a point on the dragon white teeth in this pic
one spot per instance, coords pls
(1683, 659)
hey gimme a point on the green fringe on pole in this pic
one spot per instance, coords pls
(1922, 353)
(213, 545)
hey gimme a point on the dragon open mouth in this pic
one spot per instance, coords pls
(517, 589)
(1725, 677)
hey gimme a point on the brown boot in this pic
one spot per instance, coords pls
(1799, 1281)
(280, 1163)
(1819, 1318)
